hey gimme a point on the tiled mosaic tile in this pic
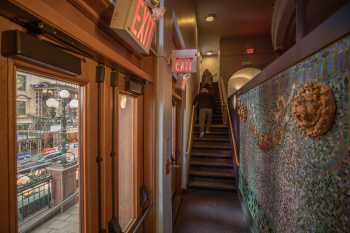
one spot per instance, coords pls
(303, 184)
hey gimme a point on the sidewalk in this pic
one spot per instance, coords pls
(66, 222)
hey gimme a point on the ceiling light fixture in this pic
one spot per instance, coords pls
(210, 53)
(210, 18)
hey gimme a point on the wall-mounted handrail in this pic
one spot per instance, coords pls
(229, 119)
(222, 102)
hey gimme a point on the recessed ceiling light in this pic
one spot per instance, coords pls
(210, 18)
(209, 53)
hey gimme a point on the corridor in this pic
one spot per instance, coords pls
(175, 116)
(210, 212)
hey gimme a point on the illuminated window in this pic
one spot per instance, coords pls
(48, 157)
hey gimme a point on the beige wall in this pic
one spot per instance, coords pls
(212, 64)
(185, 15)
(208, 42)
(234, 58)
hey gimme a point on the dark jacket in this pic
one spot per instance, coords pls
(205, 100)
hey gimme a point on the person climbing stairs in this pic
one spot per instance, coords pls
(211, 165)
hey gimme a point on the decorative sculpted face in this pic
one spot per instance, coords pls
(314, 109)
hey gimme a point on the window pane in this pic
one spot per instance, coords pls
(48, 159)
(21, 107)
(127, 161)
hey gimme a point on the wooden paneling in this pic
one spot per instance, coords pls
(106, 149)
(48, 13)
(87, 80)
(4, 148)
(149, 153)
(89, 127)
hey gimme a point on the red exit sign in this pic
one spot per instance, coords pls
(250, 50)
(183, 65)
(133, 21)
(184, 61)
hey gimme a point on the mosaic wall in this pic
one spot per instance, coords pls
(291, 182)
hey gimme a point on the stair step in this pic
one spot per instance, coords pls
(211, 185)
(212, 139)
(212, 147)
(212, 162)
(214, 174)
(213, 130)
(215, 126)
(209, 154)
(212, 144)
(214, 120)
(213, 133)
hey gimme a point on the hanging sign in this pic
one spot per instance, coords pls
(250, 51)
(132, 20)
(184, 61)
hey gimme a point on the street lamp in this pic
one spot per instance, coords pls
(54, 103)
(64, 94)
(74, 103)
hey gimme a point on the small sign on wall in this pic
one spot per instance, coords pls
(184, 61)
(132, 20)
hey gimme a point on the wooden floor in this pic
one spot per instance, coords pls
(210, 212)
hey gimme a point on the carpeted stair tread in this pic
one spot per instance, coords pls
(212, 139)
(211, 185)
(214, 174)
(212, 147)
(207, 163)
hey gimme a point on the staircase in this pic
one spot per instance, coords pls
(211, 165)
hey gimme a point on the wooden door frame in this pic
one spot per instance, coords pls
(141, 169)
(87, 123)
(87, 80)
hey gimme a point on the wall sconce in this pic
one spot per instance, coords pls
(210, 53)
(123, 100)
(210, 18)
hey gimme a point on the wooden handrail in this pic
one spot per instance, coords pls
(229, 119)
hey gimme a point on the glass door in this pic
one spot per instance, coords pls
(48, 129)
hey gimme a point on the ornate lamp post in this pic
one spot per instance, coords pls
(64, 178)
(65, 97)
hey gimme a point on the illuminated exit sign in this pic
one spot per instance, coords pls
(132, 20)
(184, 61)
(183, 65)
(250, 51)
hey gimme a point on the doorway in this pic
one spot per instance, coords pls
(48, 160)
